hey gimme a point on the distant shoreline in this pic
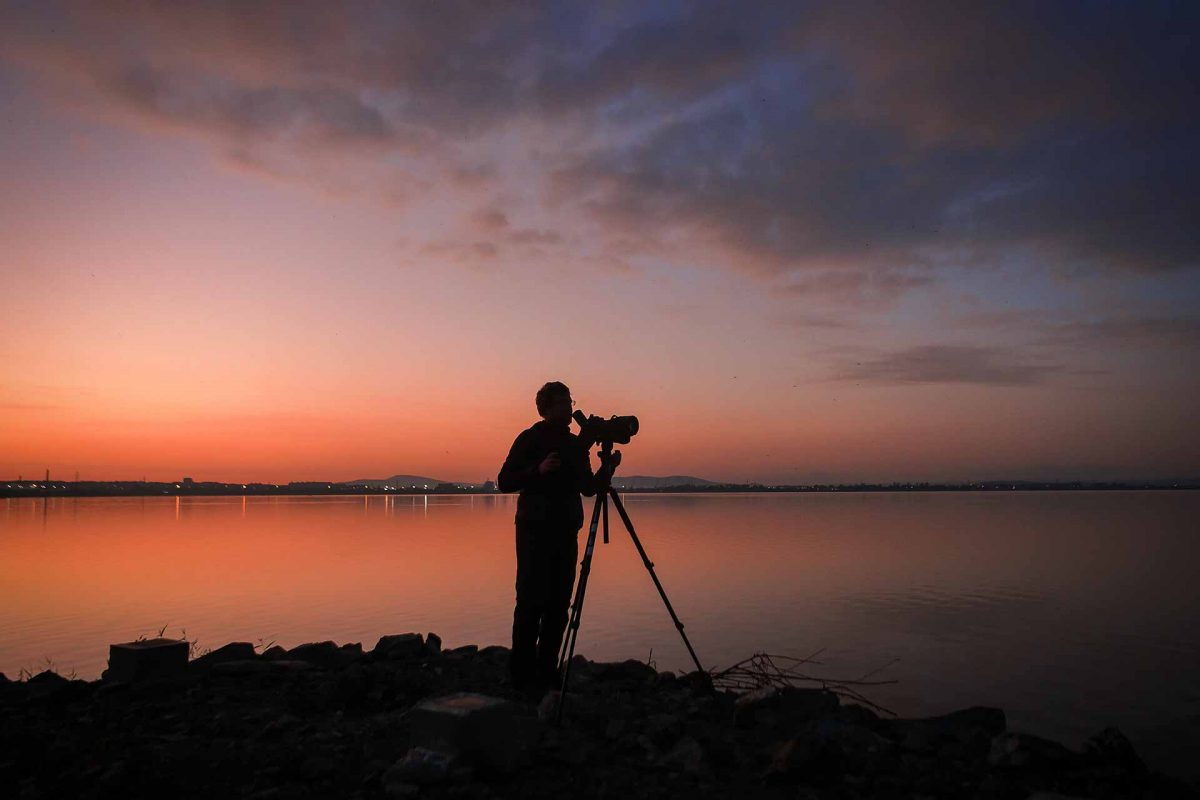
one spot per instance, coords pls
(155, 489)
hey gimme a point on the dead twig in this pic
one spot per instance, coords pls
(762, 670)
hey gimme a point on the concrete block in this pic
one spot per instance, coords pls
(484, 730)
(149, 658)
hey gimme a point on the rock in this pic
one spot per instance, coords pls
(615, 728)
(968, 732)
(242, 667)
(315, 767)
(548, 707)
(324, 654)
(1025, 751)
(687, 755)
(420, 766)
(400, 790)
(775, 705)
(465, 651)
(4, 678)
(861, 715)
(827, 748)
(495, 653)
(149, 658)
(482, 729)
(273, 652)
(47, 678)
(433, 644)
(1053, 796)
(399, 646)
(352, 686)
(234, 651)
(48, 684)
(1110, 748)
(273, 729)
(631, 671)
(663, 728)
(699, 683)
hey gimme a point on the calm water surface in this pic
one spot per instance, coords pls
(1072, 611)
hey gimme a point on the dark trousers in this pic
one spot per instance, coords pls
(546, 556)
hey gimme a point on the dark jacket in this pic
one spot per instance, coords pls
(554, 497)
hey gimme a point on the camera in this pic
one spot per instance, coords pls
(614, 430)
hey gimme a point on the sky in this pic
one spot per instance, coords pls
(801, 242)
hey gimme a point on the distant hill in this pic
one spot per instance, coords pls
(396, 480)
(653, 482)
(620, 482)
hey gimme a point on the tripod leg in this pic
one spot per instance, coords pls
(585, 568)
(650, 568)
(606, 518)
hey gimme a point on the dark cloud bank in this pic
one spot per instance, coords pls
(852, 149)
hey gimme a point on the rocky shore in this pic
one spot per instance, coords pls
(409, 719)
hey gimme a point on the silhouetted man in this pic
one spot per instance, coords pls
(550, 467)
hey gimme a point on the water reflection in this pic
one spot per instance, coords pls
(1070, 610)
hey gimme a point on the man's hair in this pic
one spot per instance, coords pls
(546, 394)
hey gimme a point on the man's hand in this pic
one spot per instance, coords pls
(550, 463)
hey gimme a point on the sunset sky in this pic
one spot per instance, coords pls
(802, 242)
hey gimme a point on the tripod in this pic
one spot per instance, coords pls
(608, 461)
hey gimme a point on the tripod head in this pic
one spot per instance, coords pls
(609, 461)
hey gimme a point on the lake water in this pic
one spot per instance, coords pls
(1070, 610)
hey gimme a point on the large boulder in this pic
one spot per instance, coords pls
(242, 667)
(1023, 751)
(1111, 750)
(968, 732)
(783, 705)
(274, 652)
(631, 672)
(826, 749)
(400, 646)
(326, 654)
(495, 653)
(234, 651)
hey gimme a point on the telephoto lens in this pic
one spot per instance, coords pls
(615, 429)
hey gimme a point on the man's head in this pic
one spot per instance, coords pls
(554, 403)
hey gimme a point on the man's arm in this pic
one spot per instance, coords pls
(519, 469)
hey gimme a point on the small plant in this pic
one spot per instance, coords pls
(193, 645)
(25, 673)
